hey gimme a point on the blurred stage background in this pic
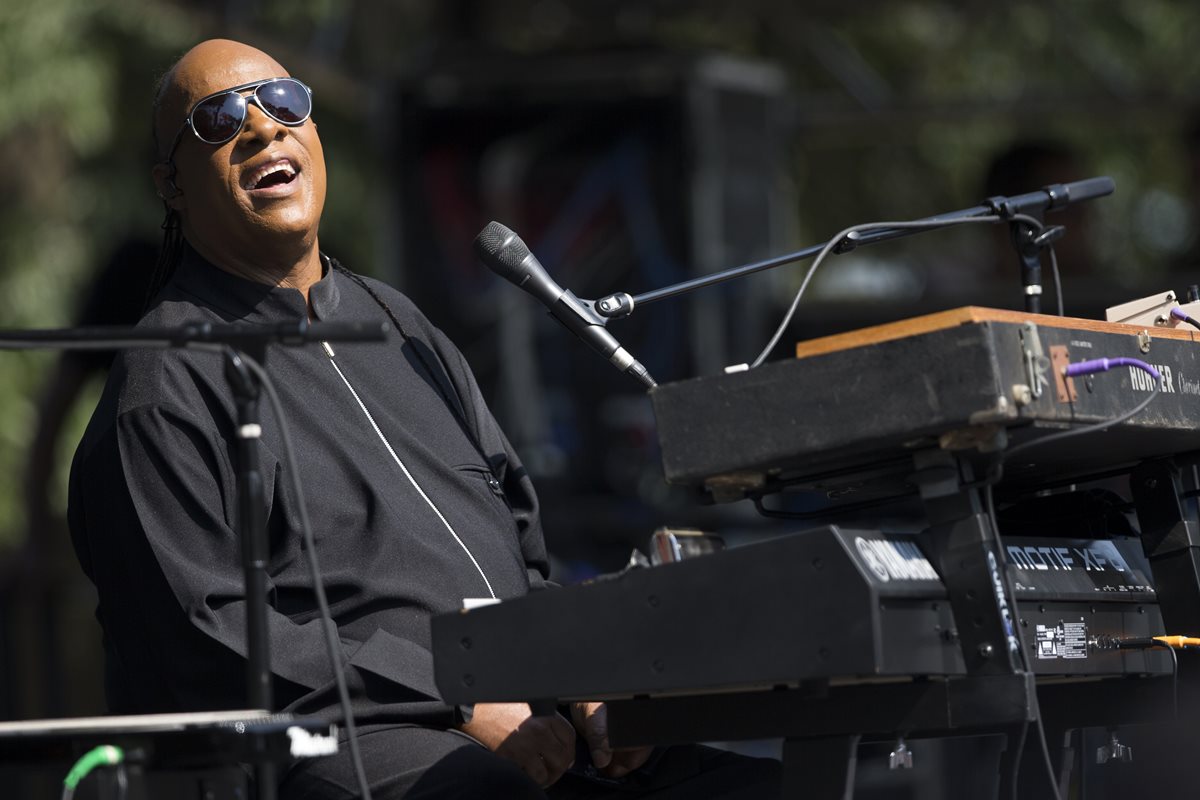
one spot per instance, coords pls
(632, 144)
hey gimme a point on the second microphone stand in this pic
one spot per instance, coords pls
(236, 344)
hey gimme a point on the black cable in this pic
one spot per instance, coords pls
(996, 470)
(331, 640)
(994, 475)
(1016, 767)
(840, 239)
(1041, 731)
(1057, 281)
(1147, 643)
(1010, 591)
(990, 504)
(1174, 682)
(1038, 226)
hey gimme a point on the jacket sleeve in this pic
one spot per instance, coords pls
(164, 498)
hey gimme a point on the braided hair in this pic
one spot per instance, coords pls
(171, 251)
(366, 287)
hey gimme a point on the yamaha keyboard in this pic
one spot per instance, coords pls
(830, 604)
(821, 638)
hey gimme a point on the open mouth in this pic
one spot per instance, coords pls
(273, 175)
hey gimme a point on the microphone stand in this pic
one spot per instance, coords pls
(1028, 242)
(246, 395)
(236, 343)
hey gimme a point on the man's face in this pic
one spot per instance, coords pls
(228, 211)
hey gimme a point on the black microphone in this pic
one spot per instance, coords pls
(1052, 197)
(507, 256)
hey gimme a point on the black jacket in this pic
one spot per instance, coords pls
(153, 506)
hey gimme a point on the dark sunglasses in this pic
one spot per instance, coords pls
(219, 117)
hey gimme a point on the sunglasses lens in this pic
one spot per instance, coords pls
(285, 100)
(219, 118)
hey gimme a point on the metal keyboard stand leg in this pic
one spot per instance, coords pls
(1067, 756)
(1166, 493)
(966, 549)
(1165, 496)
(819, 769)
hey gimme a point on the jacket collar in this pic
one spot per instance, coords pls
(244, 300)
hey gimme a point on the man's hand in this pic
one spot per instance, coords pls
(591, 720)
(543, 747)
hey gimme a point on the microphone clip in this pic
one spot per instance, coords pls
(614, 306)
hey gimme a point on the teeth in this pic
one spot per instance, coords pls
(282, 165)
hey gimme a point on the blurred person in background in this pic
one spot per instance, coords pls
(1187, 265)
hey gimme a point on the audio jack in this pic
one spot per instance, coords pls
(1170, 643)
(1105, 642)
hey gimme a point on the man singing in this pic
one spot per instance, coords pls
(416, 497)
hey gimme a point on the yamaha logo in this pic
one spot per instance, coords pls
(895, 559)
(872, 559)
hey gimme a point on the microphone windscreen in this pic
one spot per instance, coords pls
(502, 250)
(1089, 189)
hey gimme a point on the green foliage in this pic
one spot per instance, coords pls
(71, 175)
(76, 81)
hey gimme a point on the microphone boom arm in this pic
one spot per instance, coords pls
(1051, 198)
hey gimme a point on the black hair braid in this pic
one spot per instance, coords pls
(171, 251)
(169, 255)
(335, 264)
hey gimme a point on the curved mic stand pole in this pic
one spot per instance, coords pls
(236, 343)
(1050, 198)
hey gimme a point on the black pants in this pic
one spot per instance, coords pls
(425, 764)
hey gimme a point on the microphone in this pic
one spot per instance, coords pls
(1052, 197)
(507, 256)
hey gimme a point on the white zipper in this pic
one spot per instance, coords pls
(407, 474)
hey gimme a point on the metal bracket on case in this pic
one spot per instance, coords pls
(901, 757)
(1113, 751)
(1036, 365)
